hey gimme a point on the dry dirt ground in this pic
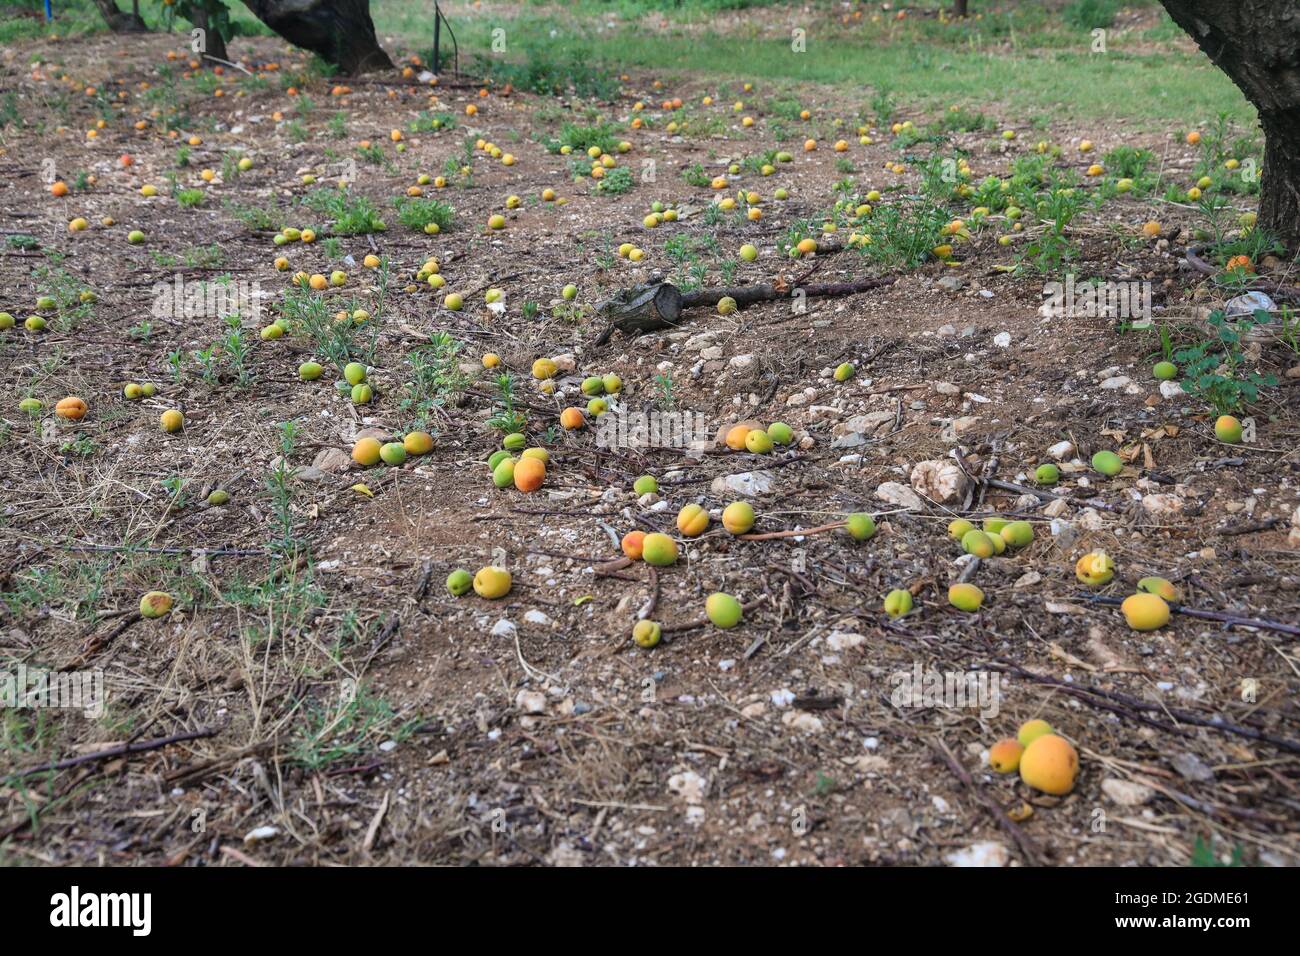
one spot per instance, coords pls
(339, 706)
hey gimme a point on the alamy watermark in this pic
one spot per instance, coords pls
(180, 299)
(1097, 300)
(926, 687)
(654, 429)
(59, 690)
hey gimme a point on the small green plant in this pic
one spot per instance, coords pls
(667, 400)
(507, 419)
(279, 489)
(695, 175)
(351, 215)
(1203, 855)
(436, 380)
(417, 213)
(190, 198)
(1213, 369)
(616, 181)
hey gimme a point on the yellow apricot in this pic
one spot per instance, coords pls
(692, 521)
(1004, 756)
(1050, 764)
(1145, 612)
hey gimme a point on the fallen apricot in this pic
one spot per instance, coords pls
(366, 451)
(1004, 756)
(632, 544)
(1050, 764)
(738, 517)
(780, 433)
(171, 420)
(860, 526)
(1031, 730)
(978, 543)
(1047, 474)
(459, 582)
(965, 597)
(1160, 587)
(692, 521)
(572, 418)
(736, 436)
(958, 528)
(1107, 463)
(1227, 429)
(393, 453)
(659, 549)
(1094, 568)
(529, 474)
(503, 475)
(492, 582)
(646, 633)
(723, 609)
(1145, 612)
(645, 485)
(155, 604)
(758, 442)
(1018, 534)
(898, 602)
(418, 443)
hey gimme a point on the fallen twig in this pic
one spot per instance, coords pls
(121, 750)
(1027, 846)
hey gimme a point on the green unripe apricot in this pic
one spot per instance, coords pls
(780, 433)
(898, 602)
(1018, 534)
(1047, 474)
(957, 529)
(503, 475)
(1164, 371)
(978, 543)
(860, 525)
(723, 609)
(497, 458)
(645, 485)
(514, 441)
(393, 453)
(593, 385)
(1107, 463)
(459, 582)
(354, 373)
(646, 633)
(310, 371)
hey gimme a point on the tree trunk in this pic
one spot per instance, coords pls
(340, 31)
(118, 21)
(214, 44)
(959, 8)
(1257, 43)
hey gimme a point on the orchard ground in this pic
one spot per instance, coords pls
(339, 705)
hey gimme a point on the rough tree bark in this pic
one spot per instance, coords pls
(119, 21)
(214, 44)
(959, 8)
(341, 31)
(1257, 43)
